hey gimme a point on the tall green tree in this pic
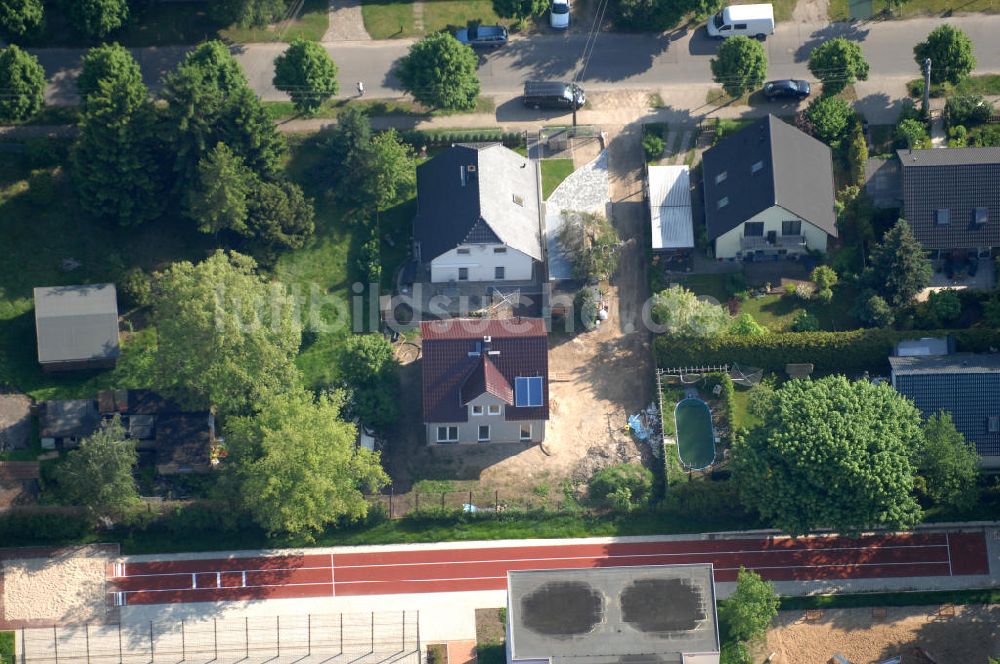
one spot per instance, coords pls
(106, 62)
(226, 336)
(951, 51)
(115, 158)
(831, 118)
(218, 199)
(371, 374)
(740, 66)
(20, 18)
(307, 73)
(209, 101)
(389, 170)
(899, 267)
(947, 465)
(857, 154)
(23, 81)
(279, 218)
(440, 72)
(98, 474)
(96, 18)
(248, 13)
(681, 313)
(838, 63)
(749, 611)
(834, 454)
(298, 468)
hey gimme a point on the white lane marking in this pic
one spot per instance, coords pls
(652, 555)
(947, 538)
(184, 590)
(244, 579)
(194, 580)
(228, 571)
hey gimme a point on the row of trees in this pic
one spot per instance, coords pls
(96, 19)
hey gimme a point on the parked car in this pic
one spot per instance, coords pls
(559, 14)
(747, 20)
(553, 94)
(788, 88)
(482, 36)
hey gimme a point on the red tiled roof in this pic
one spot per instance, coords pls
(451, 374)
(485, 378)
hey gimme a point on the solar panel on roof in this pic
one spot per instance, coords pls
(528, 391)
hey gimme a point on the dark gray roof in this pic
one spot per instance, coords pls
(966, 385)
(76, 323)
(796, 174)
(958, 180)
(74, 418)
(610, 615)
(884, 182)
(494, 201)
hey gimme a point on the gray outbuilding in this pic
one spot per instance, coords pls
(77, 327)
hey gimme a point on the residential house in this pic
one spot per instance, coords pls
(967, 385)
(656, 613)
(485, 381)
(77, 327)
(768, 192)
(951, 199)
(478, 216)
(671, 225)
(180, 440)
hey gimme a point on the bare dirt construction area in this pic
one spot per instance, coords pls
(67, 586)
(965, 634)
(596, 377)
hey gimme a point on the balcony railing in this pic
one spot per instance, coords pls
(791, 242)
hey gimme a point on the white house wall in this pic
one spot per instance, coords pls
(482, 262)
(728, 244)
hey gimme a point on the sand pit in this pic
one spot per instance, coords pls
(66, 587)
(866, 636)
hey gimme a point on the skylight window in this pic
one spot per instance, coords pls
(757, 167)
(982, 215)
(941, 217)
(528, 391)
(721, 177)
(722, 202)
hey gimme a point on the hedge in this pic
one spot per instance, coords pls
(852, 352)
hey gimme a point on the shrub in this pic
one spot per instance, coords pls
(585, 308)
(41, 188)
(735, 652)
(137, 287)
(913, 134)
(958, 137)
(621, 487)
(735, 283)
(760, 398)
(652, 145)
(26, 528)
(944, 307)
(987, 137)
(872, 309)
(805, 322)
(744, 325)
(968, 110)
(851, 352)
(824, 276)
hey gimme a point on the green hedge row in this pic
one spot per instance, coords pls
(430, 139)
(849, 353)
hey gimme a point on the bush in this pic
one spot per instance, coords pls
(735, 652)
(872, 309)
(805, 322)
(652, 145)
(968, 110)
(852, 352)
(621, 487)
(585, 308)
(736, 283)
(944, 307)
(913, 134)
(137, 287)
(41, 188)
(28, 528)
(760, 398)
(987, 137)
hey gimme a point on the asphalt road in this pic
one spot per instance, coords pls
(618, 60)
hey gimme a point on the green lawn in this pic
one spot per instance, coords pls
(838, 9)
(713, 285)
(284, 110)
(389, 19)
(741, 417)
(311, 24)
(778, 312)
(554, 171)
(978, 84)
(6, 647)
(453, 14)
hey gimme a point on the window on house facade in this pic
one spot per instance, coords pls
(484, 433)
(447, 434)
(477, 410)
(525, 432)
(463, 274)
(462, 252)
(791, 227)
(753, 229)
(493, 409)
(993, 424)
(498, 272)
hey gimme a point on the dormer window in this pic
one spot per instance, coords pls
(757, 167)
(981, 215)
(722, 202)
(721, 177)
(941, 217)
(463, 251)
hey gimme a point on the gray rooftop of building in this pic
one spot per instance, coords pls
(76, 323)
(649, 614)
(946, 364)
(948, 157)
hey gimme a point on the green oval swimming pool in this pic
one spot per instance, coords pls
(695, 437)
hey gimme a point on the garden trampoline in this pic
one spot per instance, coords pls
(695, 437)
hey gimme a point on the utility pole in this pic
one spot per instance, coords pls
(927, 87)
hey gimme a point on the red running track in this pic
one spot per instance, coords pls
(464, 569)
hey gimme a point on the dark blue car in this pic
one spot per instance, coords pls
(787, 89)
(482, 36)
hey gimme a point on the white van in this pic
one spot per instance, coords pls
(747, 20)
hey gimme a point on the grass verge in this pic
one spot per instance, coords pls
(860, 600)
(389, 19)
(554, 171)
(453, 14)
(978, 84)
(311, 24)
(839, 9)
(6, 647)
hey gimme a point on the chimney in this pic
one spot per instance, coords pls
(461, 173)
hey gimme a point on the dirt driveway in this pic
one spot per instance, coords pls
(596, 377)
(967, 634)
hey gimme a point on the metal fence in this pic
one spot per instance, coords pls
(356, 638)
(398, 505)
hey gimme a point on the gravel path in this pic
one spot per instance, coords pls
(346, 22)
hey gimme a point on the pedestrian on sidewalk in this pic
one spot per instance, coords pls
(361, 88)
